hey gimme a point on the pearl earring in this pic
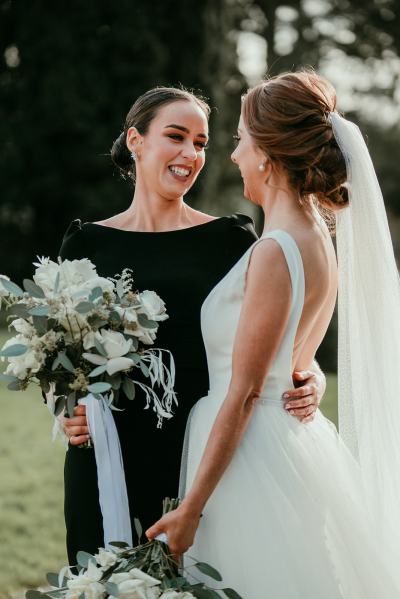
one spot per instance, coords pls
(133, 154)
(261, 167)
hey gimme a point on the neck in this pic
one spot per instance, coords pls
(282, 209)
(151, 212)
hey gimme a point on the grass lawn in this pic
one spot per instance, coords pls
(31, 490)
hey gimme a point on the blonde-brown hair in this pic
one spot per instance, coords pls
(288, 118)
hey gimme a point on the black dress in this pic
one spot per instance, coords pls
(182, 266)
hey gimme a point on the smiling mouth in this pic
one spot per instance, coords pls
(180, 171)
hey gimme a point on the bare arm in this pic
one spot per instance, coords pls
(262, 324)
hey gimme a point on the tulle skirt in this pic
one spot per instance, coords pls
(288, 520)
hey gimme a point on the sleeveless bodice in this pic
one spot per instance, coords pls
(220, 316)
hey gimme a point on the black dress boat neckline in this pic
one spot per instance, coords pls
(191, 229)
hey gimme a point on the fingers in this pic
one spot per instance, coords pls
(153, 531)
(301, 413)
(301, 392)
(80, 410)
(78, 439)
(303, 375)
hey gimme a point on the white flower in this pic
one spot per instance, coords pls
(105, 558)
(116, 347)
(152, 305)
(136, 584)
(87, 583)
(29, 362)
(75, 275)
(23, 327)
(171, 594)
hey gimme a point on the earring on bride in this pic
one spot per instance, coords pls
(134, 156)
(261, 167)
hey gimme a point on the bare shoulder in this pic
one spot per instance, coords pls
(200, 218)
(268, 265)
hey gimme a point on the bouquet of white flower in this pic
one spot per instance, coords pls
(79, 336)
(147, 571)
(79, 333)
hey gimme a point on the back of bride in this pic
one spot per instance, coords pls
(285, 510)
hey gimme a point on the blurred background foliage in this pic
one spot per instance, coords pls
(69, 73)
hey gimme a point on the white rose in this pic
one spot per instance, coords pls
(119, 577)
(152, 305)
(171, 594)
(75, 275)
(87, 583)
(115, 346)
(149, 580)
(127, 314)
(105, 558)
(146, 336)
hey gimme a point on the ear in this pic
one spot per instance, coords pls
(133, 139)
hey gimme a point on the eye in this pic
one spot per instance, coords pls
(201, 144)
(176, 136)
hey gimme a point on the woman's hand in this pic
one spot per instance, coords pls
(303, 402)
(76, 428)
(180, 526)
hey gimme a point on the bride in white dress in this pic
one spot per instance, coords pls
(293, 511)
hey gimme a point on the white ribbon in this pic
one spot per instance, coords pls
(113, 495)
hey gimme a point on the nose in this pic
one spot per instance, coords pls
(233, 157)
(189, 151)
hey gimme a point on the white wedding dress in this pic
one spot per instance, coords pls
(288, 518)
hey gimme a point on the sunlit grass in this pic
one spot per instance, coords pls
(31, 490)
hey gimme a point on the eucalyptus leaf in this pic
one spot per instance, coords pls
(138, 528)
(71, 403)
(134, 357)
(83, 558)
(33, 594)
(66, 362)
(19, 310)
(84, 307)
(112, 589)
(232, 594)
(42, 310)
(52, 579)
(144, 369)
(59, 405)
(14, 385)
(98, 370)
(202, 593)
(208, 570)
(120, 544)
(12, 288)
(33, 289)
(128, 387)
(95, 294)
(115, 317)
(40, 324)
(99, 387)
(8, 378)
(12, 351)
(146, 323)
(55, 363)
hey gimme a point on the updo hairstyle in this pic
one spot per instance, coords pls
(288, 118)
(143, 111)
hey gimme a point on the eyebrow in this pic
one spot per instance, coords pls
(184, 129)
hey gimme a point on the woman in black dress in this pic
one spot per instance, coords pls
(181, 254)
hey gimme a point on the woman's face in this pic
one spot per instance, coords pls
(248, 158)
(172, 152)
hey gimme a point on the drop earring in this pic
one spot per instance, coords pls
(261, 167)
(133, 154)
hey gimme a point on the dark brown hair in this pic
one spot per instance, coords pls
(143, 111)
(288, 118)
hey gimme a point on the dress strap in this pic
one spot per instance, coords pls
(294, 261)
